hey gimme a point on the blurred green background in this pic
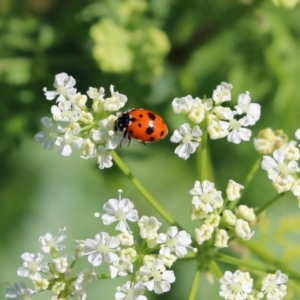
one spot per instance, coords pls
(152, 51)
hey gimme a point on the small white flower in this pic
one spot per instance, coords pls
(243, 229)
(148, 227)
(217, 129)
(65, 111)
(291, 151)
(128, 253)
(222, 93)
(126, 238)
(84, 278)
(50, 135)
(246, 213)
(222, 112)
(131, 291)
(252, 110)
(233, 190)
(78, 100)
(105, 134)
(237, 132)
(188, 138)
(167, 257)
(205, 196)
(101, 248)
(235, 285)
(68, 141)
(273, 286)
(197, 113)
(228, 217)
(104, 158)
(120, 267)
(50, 242)
(203, 233)
(115, 102)
(58, 287)
(221, 238)
(278, 170)
(156, 278)
(41, 284)
(119, 211)
(176, 241)
(61, 264)
(182, 105)
(88, 149)
(19, 292)
(79, 249)
(98, 98)
(95, 94)
(32, 266)
(213, 220)
(87, 118)
(64, 88)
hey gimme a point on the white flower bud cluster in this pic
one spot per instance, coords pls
(219, 223)
(221, 121)
(74, 125)
(239, 285)
(283, 166)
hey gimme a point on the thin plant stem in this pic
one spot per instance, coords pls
(247, 181)
(254, 266)
(241, 262)
(195, 285)
(203, 157)
(151, 200)
(214, 268)
(252, 172)
(269, 203)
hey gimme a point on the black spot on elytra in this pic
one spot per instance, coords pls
(140, 125)
(130, 132)
(151, 116)
(150, 130)
(132, 119)
(152, 139)
(162, 133)
(141, 116)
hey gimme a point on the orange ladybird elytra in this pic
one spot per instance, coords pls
(141, 124)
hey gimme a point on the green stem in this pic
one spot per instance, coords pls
(143, 191)
(252, 172)
(203, 157)
(269, 203)
(195, 285)
(264, 255)
(241, 262)
(247, 181)
(214, 268)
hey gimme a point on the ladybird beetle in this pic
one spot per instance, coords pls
(141, 124)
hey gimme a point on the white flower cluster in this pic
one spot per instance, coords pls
(149, 260)
(283, 166)
(238, 285)
(219, 223)
(221, 121)
(75, 126)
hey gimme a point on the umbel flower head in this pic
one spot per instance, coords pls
(220, 121)
(219, 223)
(76, 126)
(283, 166)
(123, 254)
